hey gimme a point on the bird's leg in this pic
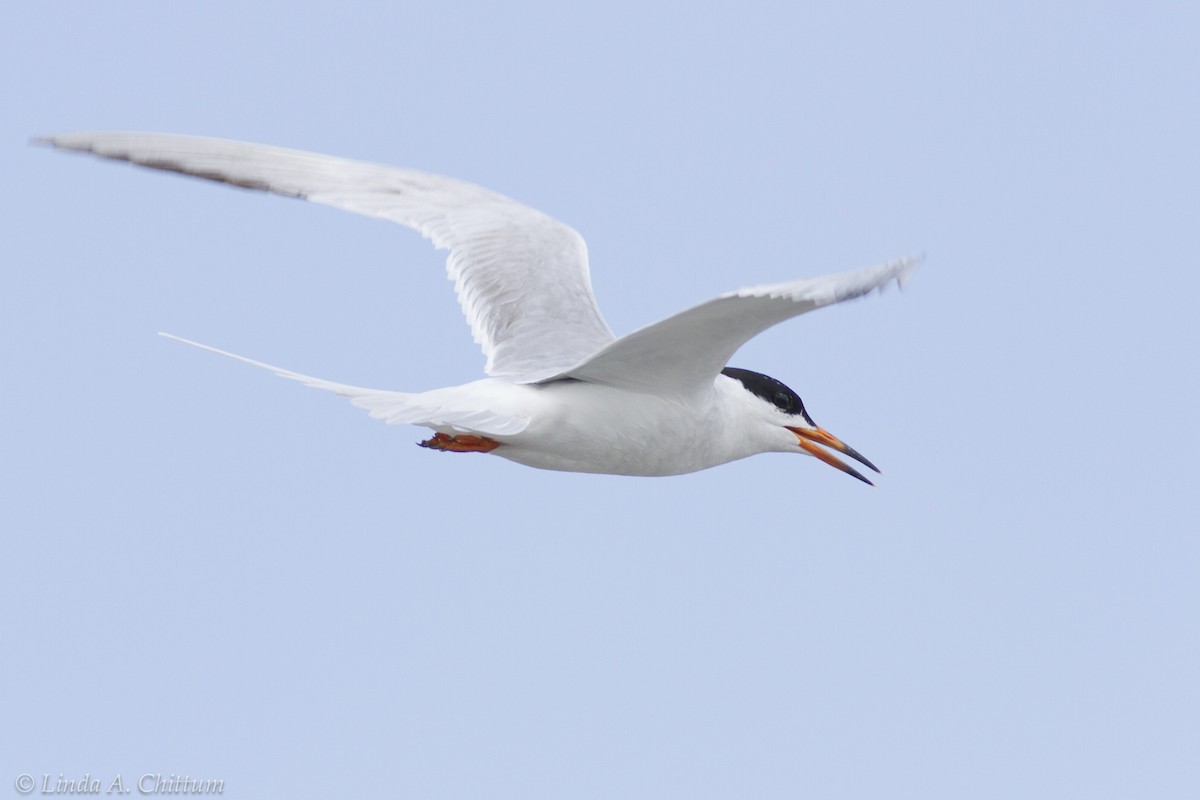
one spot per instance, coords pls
(463, 443)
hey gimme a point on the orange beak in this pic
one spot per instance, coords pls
(811, 437)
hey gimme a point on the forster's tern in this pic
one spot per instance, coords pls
(564, 392)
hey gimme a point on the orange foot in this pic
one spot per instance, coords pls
(465, 443)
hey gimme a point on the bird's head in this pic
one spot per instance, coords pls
(780, 407)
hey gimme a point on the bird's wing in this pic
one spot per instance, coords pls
(429, 409)
(684, 353)
(520, 275)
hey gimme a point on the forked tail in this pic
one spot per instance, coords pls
(427, 409)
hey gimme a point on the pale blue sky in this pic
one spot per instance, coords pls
(214, 572)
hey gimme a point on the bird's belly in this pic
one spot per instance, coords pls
(618, 433)
(588, 455)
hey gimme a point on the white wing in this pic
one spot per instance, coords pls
(521, 276)
(436, 409)
(684, 353)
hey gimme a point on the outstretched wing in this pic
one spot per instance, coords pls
(684, 353)
(521, 276)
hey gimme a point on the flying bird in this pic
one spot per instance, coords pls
(563, 392)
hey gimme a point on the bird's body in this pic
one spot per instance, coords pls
(564, 392)
(582, 427)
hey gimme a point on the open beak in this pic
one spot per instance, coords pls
(811, 437)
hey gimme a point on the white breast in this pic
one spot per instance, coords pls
(585, 427)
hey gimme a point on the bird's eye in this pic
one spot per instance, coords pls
(782, 401)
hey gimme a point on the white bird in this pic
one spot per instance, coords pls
(564, 392)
